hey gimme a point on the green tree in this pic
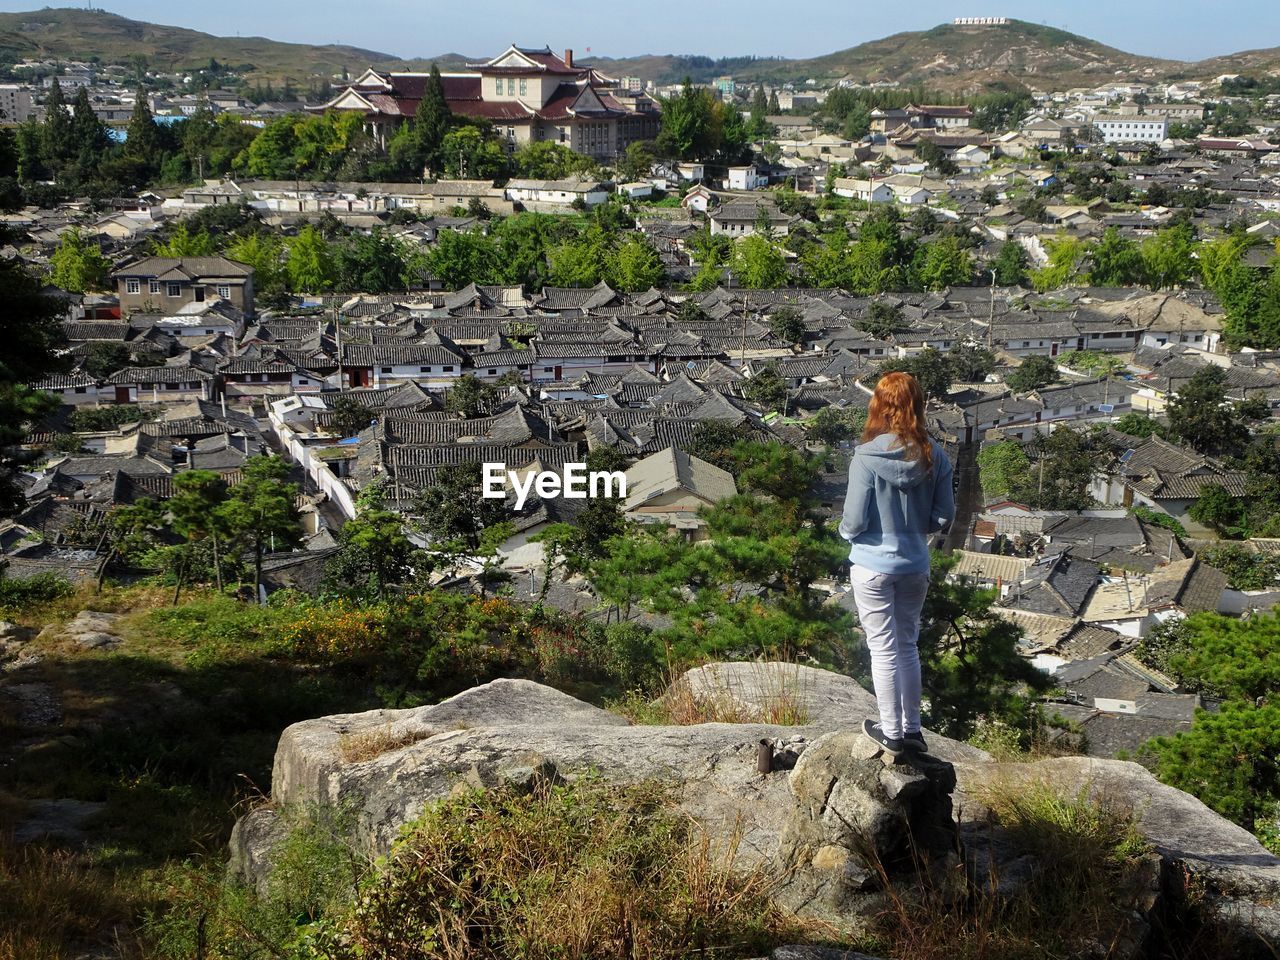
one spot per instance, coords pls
(467, 153)
(1200, 416)
(1218, 509)
(832, 425)
(78, 265)
(1115, 261)
(374, 552)
(766, 389)
(470, 397)
(637, 161)
(31, 330)
(1010, 264)
(971, 663)
(458, 258)
(690, 124)
(970, 363)
(264, 252)
(88, 133)
(260, 512)
(371, 263)
(929, 366)
(58, 144)
(181, 242)
(1061, 469)
(349, 416)
(1139, 425)
(271, 153)
(1227, 760)
(548, 160)
(1168, 258)
(881, 320)
(453, 513)
(104, 359)
(194, 511)
(1000, 467)
(1065, 256)
(422, 147)
(310, 264)
(945, 263)
(758, 263)
(634, 265)
(1032, 374)
(579, 261)
(142, 142)
(787, 324)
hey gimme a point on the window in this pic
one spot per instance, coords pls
(497, 86)
(303, 383)
(174, 289)
(86, 389)
(224, 291)
(386, 369)
(153, 286)
(172, 386)
(511, 86)
(424, 369)
(524, 86)
(447, 369)
(131, 286)
(492, 372)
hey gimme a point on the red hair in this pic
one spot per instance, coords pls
(897, 407)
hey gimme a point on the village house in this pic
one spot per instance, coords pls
(528, 95)
(166, 284)
(671, 486)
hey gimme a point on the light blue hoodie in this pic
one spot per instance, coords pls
(893, 504)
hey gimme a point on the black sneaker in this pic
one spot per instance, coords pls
(915, 741)
(872, 731)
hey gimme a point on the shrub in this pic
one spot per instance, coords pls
(94, 419)
(569, 871)
(19, 593)
(315, 872)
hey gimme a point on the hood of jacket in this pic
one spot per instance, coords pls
(888, 460)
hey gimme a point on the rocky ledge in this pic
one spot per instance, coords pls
(815, 802)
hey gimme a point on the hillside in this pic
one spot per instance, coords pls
(950, 58)
(959, 57)
(74, 34)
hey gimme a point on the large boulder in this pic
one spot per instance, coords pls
(860, 819)
(811, 822)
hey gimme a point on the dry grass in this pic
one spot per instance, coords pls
(573, 872)
(717, 701)
(367, 744)
(53, 905)
(1092, 869)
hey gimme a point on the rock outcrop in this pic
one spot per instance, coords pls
(821, 825)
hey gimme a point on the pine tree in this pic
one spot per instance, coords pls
(59, 139)
(143, 140)
(431, 122)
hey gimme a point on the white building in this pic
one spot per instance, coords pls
(868, 191)
(1132, 129)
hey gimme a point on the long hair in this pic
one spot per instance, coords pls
(897, 407)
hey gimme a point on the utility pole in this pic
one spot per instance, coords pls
(991, 314)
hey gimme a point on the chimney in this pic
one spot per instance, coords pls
(568, 57)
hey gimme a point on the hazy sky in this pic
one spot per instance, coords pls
(1183, 29)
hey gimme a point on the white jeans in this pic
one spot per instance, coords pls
(889, 607)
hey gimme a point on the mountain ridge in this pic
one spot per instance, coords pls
(948, 57)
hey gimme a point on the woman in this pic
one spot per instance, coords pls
(899, 493)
